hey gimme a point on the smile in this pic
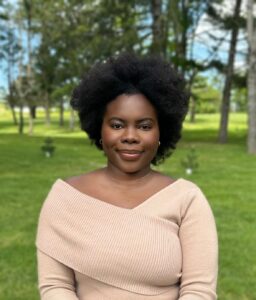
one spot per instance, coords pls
(130, 154)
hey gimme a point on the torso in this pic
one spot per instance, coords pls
(126, 194)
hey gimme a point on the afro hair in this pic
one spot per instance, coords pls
(130, 74)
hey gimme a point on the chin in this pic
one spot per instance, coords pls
(131, 172)
(133, 169)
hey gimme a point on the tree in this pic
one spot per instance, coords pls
(30, 80)
(157, 45)
(185, 17)
(9, 53)
(206, 95)
(74, 35)
(251, 79)
(20, 72)
(223, 129)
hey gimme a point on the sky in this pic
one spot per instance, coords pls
(200, 50)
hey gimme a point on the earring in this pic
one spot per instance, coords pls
(159, 143)
(100, 141)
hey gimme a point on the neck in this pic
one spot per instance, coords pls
(122, 178)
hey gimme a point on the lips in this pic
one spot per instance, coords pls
(127, 154)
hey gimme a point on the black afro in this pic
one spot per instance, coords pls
(129, 74)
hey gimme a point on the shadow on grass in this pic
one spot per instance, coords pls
(235, 137)
(15, 138)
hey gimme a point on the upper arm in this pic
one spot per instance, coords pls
(199, 244)
(56, 281)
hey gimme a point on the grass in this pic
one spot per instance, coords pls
(226, 174)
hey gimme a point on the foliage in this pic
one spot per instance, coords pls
(48, 147)
(206, 96)
(185, 17)
(49, 45)
(9, 46)
(190, 162)
(219, 14)
(239, 100)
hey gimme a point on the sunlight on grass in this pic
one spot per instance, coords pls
(226, 174)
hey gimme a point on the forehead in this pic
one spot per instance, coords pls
(135, 106)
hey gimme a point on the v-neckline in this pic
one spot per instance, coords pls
(107, 204)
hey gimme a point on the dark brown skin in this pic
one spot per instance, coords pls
(130, 138)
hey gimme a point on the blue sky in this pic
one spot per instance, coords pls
(200, 50)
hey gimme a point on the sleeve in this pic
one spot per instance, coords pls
(55, 280)
(199, 243)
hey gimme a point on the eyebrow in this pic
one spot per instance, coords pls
(138, 121)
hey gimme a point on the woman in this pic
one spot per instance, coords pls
(126, 231)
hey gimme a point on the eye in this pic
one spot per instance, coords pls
(116, 125)
(145, 126)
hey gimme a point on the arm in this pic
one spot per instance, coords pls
(199, 244)
(56, 281)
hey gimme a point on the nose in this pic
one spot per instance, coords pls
(130, 136)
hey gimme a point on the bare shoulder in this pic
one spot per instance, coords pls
(161, 180)
(82, 181)
(164, 179)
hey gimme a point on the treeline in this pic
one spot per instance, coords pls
(48, 45)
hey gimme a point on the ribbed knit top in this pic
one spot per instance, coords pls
(164, 248)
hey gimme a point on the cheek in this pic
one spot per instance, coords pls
(152, 141)
(155, 136)
(108, 136)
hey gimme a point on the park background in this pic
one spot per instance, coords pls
(45, 47)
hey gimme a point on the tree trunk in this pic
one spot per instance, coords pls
(30, 97)
(183, 46)
(61, 112)
(21, 120)
(33, 111)
(157, 28)
(251, 79)
(15, 121)
(223, 129)
(31, 122)
(72, 119)
(10, 88)
(192, 110)
(179, 16)
(166, 29)
(47, 110)
(192, 99)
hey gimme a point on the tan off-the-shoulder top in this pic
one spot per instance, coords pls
(164, 248)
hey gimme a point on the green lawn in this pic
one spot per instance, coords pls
(227, 175)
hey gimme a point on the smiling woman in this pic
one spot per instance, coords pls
(126, 231)
(130, 134)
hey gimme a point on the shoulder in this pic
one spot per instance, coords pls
(184, 195)
(192, 191)
(189, 186)
(162, 179)
(75, 180)
(82, 178)
(183, 185)
(195, 202)
(63, 192)
(85, 183)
